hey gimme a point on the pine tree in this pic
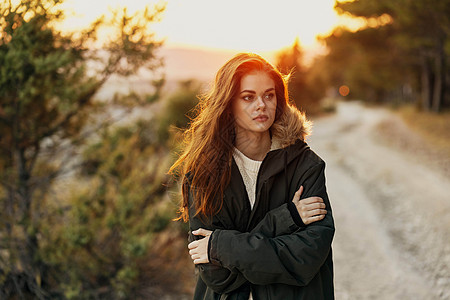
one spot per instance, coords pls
(47, 94)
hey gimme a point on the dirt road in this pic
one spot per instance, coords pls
(392, 210)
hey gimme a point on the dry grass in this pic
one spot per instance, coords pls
(169, 271)
(422, 136)
(434, 128)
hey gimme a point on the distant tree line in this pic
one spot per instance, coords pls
(400, 56)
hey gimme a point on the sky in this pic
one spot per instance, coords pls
(238, 25)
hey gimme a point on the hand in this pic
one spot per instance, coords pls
(310, 209)
(199, 249)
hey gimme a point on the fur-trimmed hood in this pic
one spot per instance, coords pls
(291, 126)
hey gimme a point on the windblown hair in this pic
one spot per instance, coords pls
(205, 163)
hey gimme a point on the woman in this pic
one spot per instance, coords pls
(246, 167)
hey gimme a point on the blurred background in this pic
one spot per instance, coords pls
(94, 96)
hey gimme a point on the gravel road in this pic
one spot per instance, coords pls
(391, 209)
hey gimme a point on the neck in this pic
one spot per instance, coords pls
(254, 145)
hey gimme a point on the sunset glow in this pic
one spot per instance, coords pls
(251, 25)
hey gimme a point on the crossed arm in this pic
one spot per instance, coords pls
(286, 253)
(310, 210)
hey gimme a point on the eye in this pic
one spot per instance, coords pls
(269, 96)
(248, 97)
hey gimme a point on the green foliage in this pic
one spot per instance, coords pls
(178, 109)
(47, 110)
(115, 213)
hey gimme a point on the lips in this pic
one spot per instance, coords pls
(261, 118)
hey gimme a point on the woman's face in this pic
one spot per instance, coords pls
(255, 105)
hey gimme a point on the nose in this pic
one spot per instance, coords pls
(260, 103)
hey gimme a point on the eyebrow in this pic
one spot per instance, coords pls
(253, 92)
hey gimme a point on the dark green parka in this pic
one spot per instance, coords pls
(263, 250)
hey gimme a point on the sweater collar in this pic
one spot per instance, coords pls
(278, 158)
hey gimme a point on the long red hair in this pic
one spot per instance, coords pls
(210, 139)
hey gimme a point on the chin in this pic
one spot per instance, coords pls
(261, 129)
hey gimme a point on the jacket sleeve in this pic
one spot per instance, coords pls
(292, 259)
(224, 280)
(218, 278)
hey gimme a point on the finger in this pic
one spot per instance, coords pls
(300, 191)
(313, 219)
(199, 231)
(297, 195)
(202, 232)
(318, 212)
(318, 205)
(193, 245)
(195, 256)
(200, 261)
(314, 212)
(314, 205)
(311, 200)
(317, 218)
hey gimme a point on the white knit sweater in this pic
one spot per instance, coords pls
(249, 169)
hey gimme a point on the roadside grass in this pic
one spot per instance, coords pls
(434, 128)
(421, 135)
